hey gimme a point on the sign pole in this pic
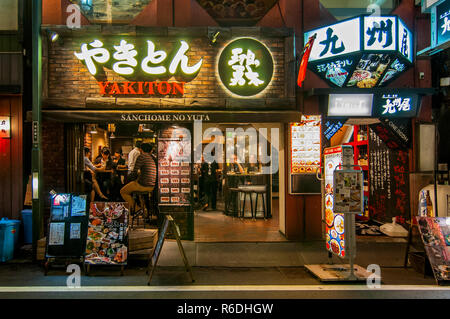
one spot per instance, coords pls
(36, 153)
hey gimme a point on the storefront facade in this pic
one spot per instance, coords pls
(81, 89)
(76, 94)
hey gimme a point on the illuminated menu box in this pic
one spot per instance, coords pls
(305, 145)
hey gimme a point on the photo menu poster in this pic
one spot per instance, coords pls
(334, 222)
(435, 233)
(388, 181)
(107, 237)
(305, 145)
(174, 167)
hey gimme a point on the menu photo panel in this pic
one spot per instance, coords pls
(174, 166)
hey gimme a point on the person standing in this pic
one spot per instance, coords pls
(146, 180)
(133, 155)
(209, 176)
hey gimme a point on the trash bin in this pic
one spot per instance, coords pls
(9, 234)
(27, 218)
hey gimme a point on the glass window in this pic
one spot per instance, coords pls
(343, 9)
(111, 11)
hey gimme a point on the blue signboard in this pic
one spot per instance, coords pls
(360, 51)
(395, 105)
(443, 22)
(390, 104)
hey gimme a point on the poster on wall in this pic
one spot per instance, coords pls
(306, 145)
(107, 237)
(388, 181)
(174, 166)
(435, 233)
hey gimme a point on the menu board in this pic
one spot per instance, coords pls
(435, 233)
(107, 238)
(305, 145)
(348, 195)
(334, 222)
(67, 226)
(388, 181)
(174, 167)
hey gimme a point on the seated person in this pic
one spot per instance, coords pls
(118, 160)
(254, 166)
(145, 181)
(105, 170)
(92, 186)
(117, 177)
(236, 167)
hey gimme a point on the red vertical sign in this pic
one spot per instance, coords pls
(304, 62)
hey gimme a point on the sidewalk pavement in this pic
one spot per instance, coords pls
(27, 280)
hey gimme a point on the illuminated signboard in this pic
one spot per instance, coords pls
(395, 105)
(443, 22)
(331, 127)
(363, 52)
(399, 104)
(245, 67)
(350, 105)
(305, 145)
(139, 59)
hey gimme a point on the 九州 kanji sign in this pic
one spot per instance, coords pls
(364, 52)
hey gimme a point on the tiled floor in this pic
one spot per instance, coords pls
(215, 226)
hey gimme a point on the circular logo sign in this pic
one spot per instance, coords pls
(245, 67)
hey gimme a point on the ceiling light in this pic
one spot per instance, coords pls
(93, 129)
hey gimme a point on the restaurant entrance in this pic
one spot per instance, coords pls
(236, 179)
(239, 200)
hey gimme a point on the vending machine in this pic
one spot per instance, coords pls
(334, 157)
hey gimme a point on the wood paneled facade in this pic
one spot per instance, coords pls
(11, 159)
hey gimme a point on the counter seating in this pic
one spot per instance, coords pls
(143, 198)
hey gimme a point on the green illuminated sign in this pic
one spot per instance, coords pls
(245, 67)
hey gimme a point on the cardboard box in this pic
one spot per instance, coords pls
(142, 239)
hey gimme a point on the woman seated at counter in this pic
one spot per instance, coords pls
(104, 171)
(89, 177)
(235, 166)
(254, 166)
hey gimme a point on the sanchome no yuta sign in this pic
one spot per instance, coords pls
(363, 52)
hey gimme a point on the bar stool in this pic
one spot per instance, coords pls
(140, 213)
(246, 190)
(260, 190)
(233, 206)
